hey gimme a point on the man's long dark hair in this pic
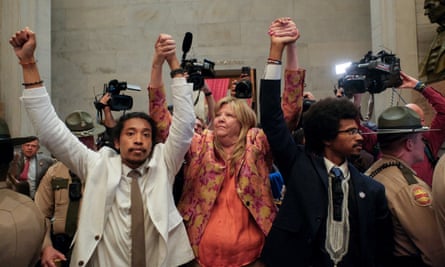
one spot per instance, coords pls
(322, 119)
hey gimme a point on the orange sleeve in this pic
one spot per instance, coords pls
(159, 112)
(292, 100)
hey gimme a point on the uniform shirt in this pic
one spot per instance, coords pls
(52, 199)
(416, 231)
(21, 229)
(439, 196)
(115, 247)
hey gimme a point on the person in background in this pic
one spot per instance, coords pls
(29, 166)
(416, 233)
(433, 140)
(128, 216)
(226, 182)
(331, 214)
(439, 196)
(22, 227)
(59, 195)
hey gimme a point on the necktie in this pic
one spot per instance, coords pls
(137, 223)
(337, 223)
(24, 174)
(337, 192)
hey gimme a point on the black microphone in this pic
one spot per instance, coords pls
(187, 43)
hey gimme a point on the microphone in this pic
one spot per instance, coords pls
(186, 44)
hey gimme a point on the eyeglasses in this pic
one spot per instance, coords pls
(351, 131)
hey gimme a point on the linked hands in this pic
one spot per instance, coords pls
(165, 49)
(284, 31)
(24, 44)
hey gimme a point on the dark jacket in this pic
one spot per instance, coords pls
(298, 233)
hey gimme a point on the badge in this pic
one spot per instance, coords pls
(421, 195)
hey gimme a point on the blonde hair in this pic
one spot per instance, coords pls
(247, 119)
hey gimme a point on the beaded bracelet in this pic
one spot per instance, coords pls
(28, 63)
(34, 83)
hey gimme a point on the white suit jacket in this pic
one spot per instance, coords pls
(102, 172)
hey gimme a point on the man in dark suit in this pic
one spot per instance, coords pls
(29, 166)
(339, 219)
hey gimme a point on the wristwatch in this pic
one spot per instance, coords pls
(176, 71)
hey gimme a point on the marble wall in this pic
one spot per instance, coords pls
(94, 41)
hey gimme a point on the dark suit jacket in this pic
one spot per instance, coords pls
(297, 233)
(43, 162)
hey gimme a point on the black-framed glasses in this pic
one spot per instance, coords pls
(351, 131)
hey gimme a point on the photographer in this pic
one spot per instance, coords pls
(207, 122)
(105, 139)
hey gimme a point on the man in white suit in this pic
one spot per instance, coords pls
(104, 235)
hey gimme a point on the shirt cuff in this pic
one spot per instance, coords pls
(272, 72)
(35, 92)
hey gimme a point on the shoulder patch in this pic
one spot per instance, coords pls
(421, 196)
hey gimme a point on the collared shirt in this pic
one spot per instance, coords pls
(115, 247)
(32, 176)
(343, 167)
(416, 232)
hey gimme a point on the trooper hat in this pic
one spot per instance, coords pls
(398, 120)
(81, 124)
(5, 136)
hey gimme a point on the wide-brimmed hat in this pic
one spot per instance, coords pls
(5, 136)
(81, 124)
(400, 119)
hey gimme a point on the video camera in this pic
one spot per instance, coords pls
(243, 88)
(196, 71)
(117, 101)
(374, 73)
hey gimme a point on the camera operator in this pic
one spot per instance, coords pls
(434, 139)
(105, 139)
(207, 123)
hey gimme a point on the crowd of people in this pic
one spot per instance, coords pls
(172, 189)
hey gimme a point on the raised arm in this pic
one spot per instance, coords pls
(24, 44)
(292, 100)
(52, 131)
(272, 118)
(164, 46)
(210, 106)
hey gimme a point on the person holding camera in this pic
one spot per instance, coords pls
(433, 140)
(128, 216)
(416, 232)
(59, 195)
